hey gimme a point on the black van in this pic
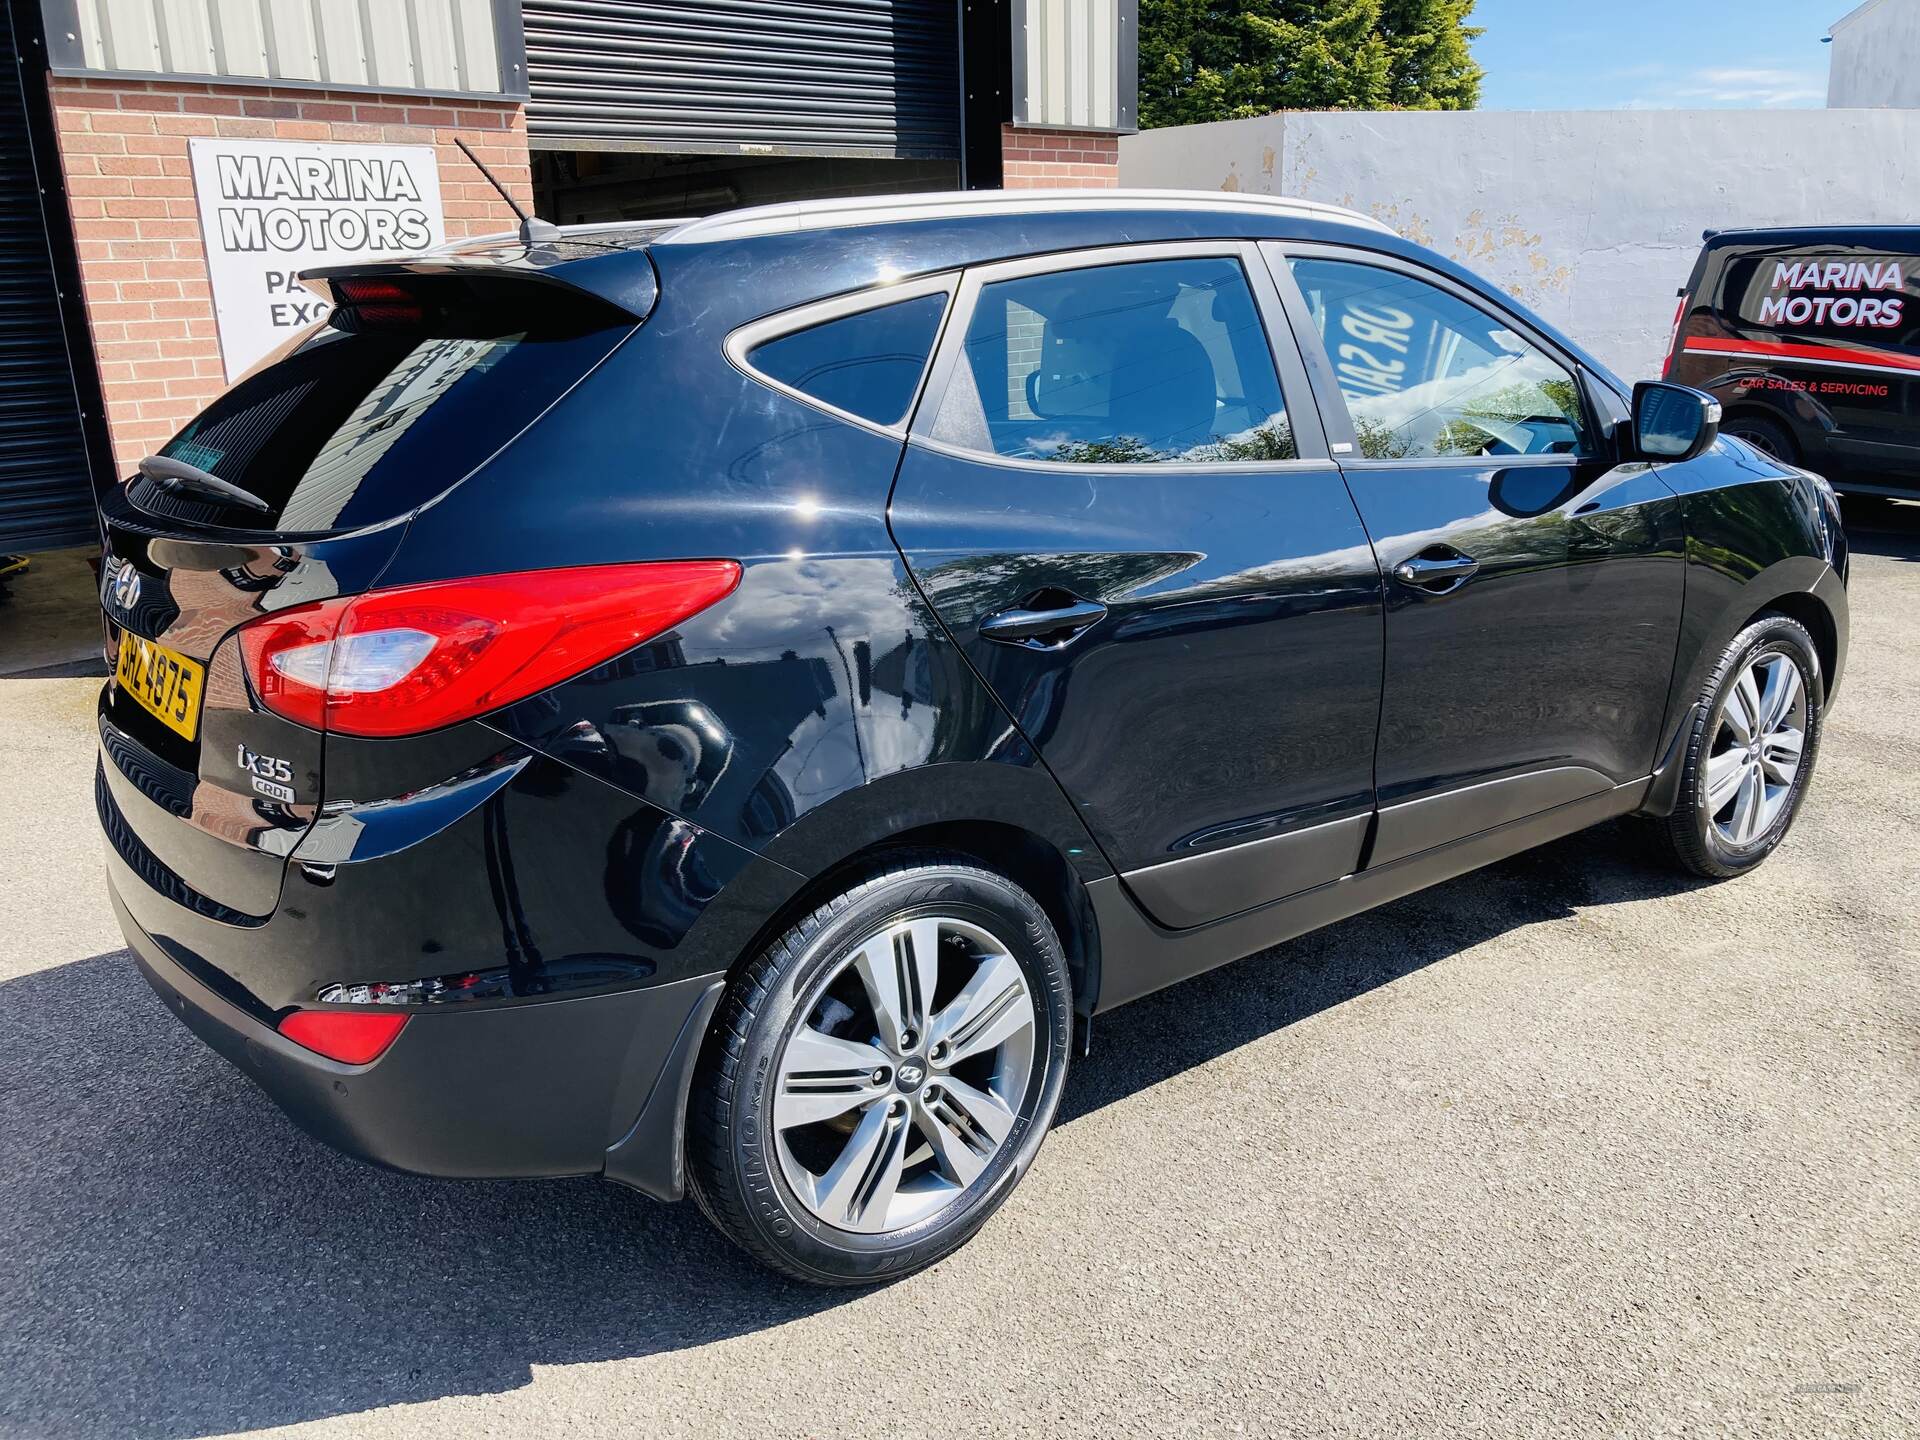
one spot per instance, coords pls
(1811, 340)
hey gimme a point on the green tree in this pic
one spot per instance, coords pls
(1230, 59)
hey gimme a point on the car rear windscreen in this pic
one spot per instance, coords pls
(368, 417)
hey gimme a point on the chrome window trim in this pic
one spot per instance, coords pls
(1296, 393)
(1469, 462)
(744, 339)
(1122, 467)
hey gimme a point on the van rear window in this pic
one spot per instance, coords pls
(1873, 299)
(351, 427)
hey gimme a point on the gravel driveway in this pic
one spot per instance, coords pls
(1571, 1146)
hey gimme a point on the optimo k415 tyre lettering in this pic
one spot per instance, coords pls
(880, 1077)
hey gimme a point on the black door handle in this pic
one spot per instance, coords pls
(1042, 628)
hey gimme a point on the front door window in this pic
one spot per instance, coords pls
(1426, 375)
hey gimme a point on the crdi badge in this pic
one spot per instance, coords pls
(272, 208)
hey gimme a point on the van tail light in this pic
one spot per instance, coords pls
(353, 1037)
(419, 657)
(1673, 336)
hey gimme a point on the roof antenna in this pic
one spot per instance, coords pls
(533, 230)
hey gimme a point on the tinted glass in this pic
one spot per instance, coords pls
(867, 364)
(1848, 296)
(1149, 361)
(1426, 374)
(349, 429)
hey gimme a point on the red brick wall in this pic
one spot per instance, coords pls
(1058, 159)
(123, 146)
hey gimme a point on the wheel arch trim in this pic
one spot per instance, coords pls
(1802, 588)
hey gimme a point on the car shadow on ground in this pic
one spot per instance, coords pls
(1882, 527)
(183, 1261)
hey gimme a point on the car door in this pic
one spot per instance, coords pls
(1533, 585)
(1118, 498)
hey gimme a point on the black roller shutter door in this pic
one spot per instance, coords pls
(803, 77)
(46, 497)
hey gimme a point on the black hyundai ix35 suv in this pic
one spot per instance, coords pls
(712, 704)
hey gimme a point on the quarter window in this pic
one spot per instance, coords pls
(867, 364)
(1425, 374)
(1140, 362)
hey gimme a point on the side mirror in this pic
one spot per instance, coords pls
(1673, 422)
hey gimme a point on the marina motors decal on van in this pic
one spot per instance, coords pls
(1828, 292)
(1830, 302)
(1810, 339)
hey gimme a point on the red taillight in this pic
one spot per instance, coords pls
(370, 292)
(419, 657)
(379, 302)
(352, 1038)
(1673, 338)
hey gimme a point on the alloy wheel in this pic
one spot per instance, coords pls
(902, 1082)
(1757, 748)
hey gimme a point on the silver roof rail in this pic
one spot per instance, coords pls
(794, 216)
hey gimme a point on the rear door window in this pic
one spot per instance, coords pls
(867, 364)
(351, 427)
(1140, 362)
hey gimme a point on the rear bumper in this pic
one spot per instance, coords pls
(548, 1088)
(602, 927)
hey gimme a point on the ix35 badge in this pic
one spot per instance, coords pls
(269, 774)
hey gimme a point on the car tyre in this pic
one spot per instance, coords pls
(1767, 436)
(829, 1136)
(1750, 753)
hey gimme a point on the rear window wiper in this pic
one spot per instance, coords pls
(185, 479)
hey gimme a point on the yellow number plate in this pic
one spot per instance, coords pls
(162, 681)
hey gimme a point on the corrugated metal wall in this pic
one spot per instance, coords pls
(46, 493)
(1075, 63)
(433, 45)
(797, 77)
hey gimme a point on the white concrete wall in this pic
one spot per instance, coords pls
(1593, 218)
(1875, 57)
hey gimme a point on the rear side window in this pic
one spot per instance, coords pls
(1843, 295)
(1426, 375)
(867, 364)
(1141, 362)
(353, 427)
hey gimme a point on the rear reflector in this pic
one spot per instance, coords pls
(351, 1037)
(420, 657)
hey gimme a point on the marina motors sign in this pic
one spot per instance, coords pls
(1835, 292)
(272, 208)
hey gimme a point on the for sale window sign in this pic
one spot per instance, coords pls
(272, 208)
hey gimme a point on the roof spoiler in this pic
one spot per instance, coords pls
(622, 279)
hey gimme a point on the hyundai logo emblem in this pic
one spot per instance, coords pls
(124, 588)
(912, 1072)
